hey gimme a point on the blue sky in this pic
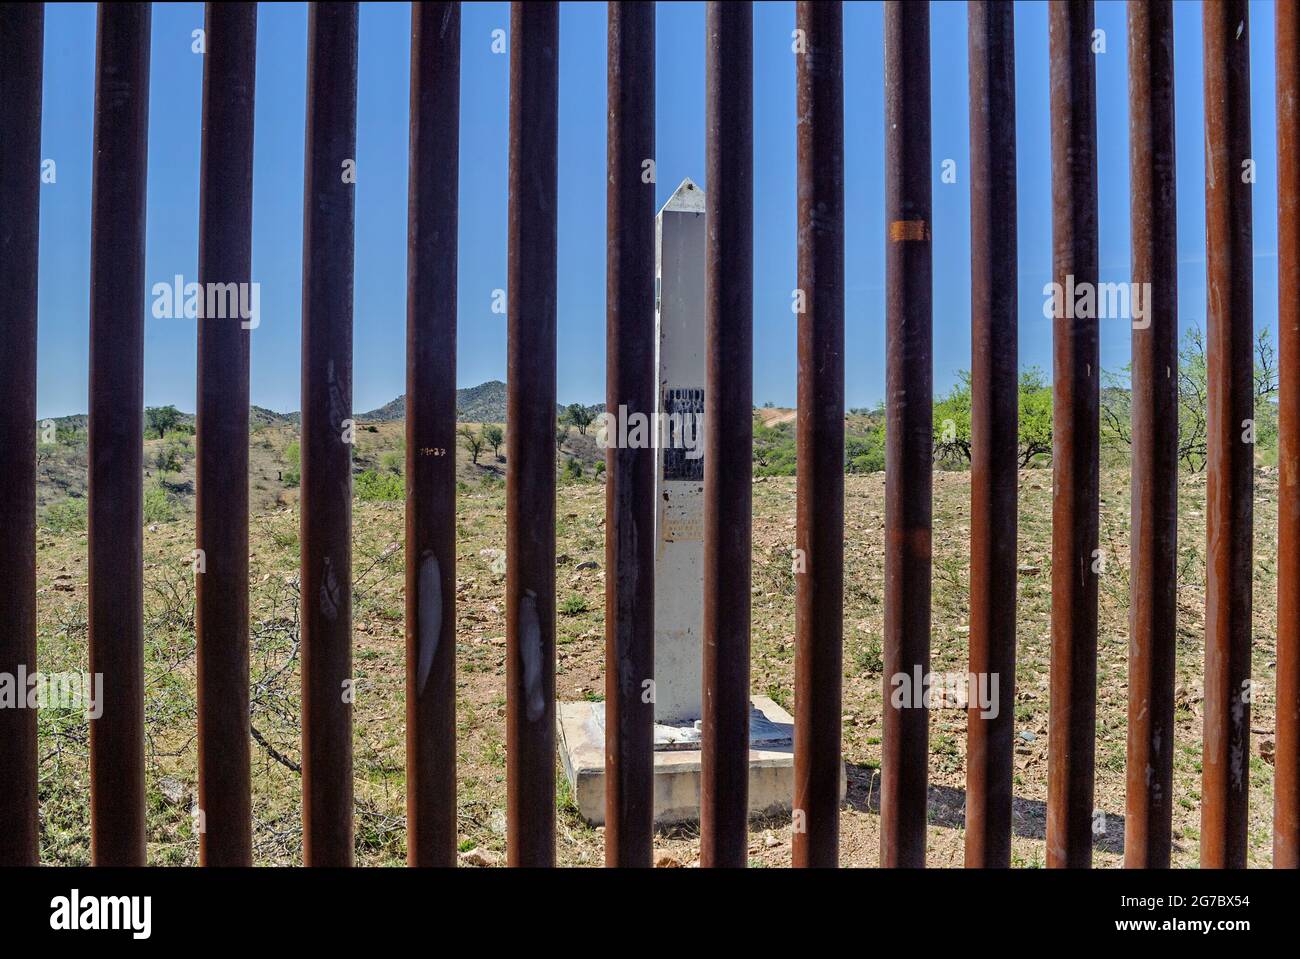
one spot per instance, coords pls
(380, 306)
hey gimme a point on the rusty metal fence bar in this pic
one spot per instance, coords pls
(728, 430)
(994, 423)
(1225, 773)
(1286, 783)
(22, 32)
(1075, 440)
(116, 470)
(630, 479)
(1153, 576)
(819, 561)
(326, 506)
(221, 438)
(909, 411)
(530, 439)
(431, 435)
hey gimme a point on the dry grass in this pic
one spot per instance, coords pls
(379, 658)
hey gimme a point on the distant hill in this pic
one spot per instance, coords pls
(261, 416)
(485, 403)
(392, 410)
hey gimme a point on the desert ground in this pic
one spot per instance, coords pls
(379, 715)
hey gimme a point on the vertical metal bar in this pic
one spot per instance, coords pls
(1225, 765)
(994, 477)
(530, 435)
(431, 435)
(22, 33)
(728, 430)
(221, 469)
(1148, 818)
(819, 613)
(629, 490)
(326, 522)
(1075, 438)
(909, 394)
(116, 541)
(1286, 784)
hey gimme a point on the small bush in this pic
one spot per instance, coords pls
(572, 469)
(573, 605)
(157, 506)
(774, 450)
(292, 455)
(168, 458)
(865, 454)
(869, 657)
(371, 485)
(69, 515)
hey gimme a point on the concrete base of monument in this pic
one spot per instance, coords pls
(677, 762)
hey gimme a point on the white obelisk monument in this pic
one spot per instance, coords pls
(679, 565)
(679, 471)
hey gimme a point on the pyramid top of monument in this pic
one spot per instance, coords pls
(687, 198)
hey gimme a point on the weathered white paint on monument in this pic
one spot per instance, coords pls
(679, 563)
(679, 472)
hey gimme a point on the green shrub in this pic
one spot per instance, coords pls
(69, 515)
(371, 485)
(292, 456)
(157, 506)
(573, 605)
(865, 454)
(869, 657)
(774, 450)
(572, 469)
(168, 458)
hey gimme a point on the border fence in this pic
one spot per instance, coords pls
(117, 286)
